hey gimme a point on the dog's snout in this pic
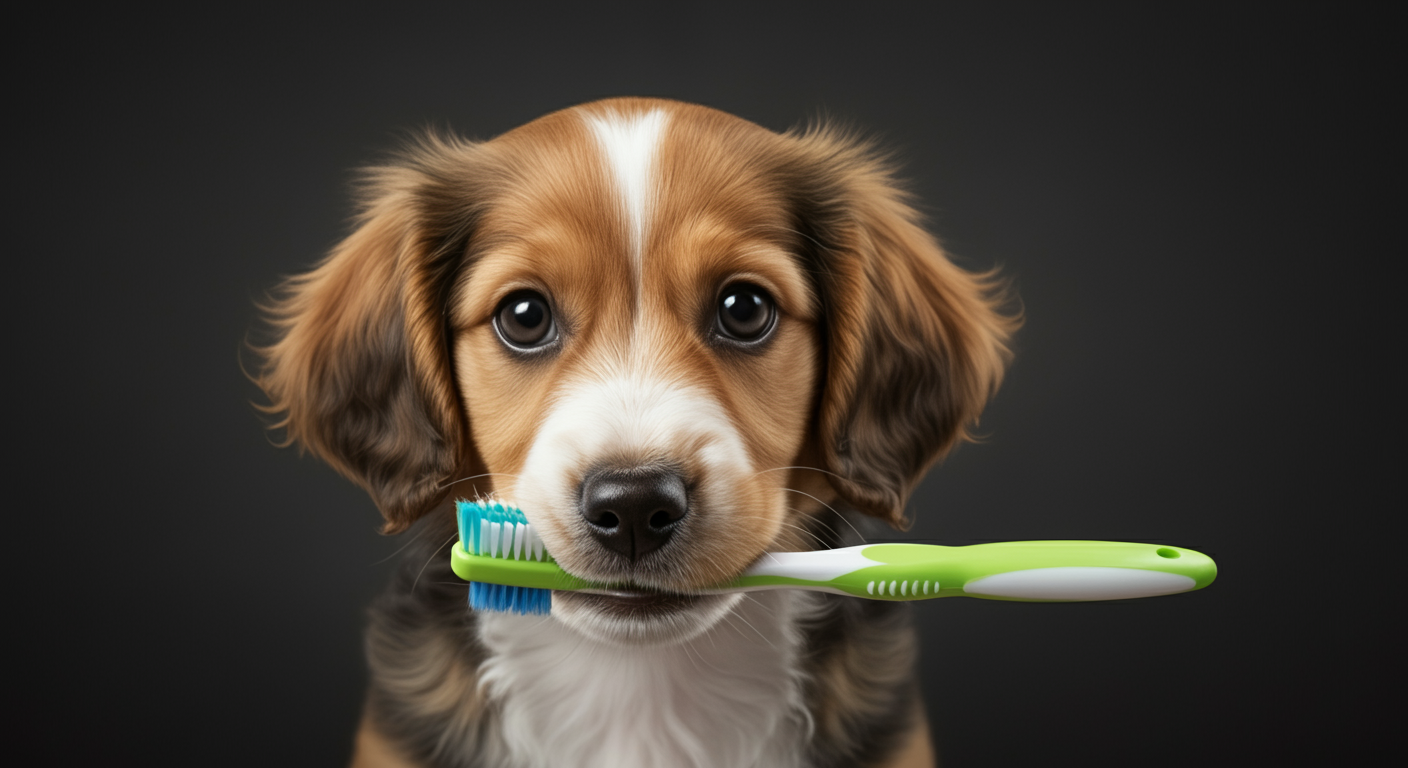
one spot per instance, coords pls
(634, 512)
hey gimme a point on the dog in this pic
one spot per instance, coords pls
(678, 341)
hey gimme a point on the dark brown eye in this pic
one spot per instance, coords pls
(746, 312)
(524, 321)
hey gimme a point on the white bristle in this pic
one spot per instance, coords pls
(509, 538)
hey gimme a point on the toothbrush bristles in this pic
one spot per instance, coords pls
(505, 599)
(493, 529)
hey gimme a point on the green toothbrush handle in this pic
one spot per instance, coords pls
(1041, 571)
(535, 574)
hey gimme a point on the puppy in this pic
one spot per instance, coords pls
(677, 341)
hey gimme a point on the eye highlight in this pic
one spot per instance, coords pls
(746, 313)
(524, 321)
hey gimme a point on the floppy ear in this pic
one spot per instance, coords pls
(360, 370)
(915, 345)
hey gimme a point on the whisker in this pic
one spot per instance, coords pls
(711, 634)
(695, 658)
(728, 619)
(814, 469)
(798, 513)
(760, 604)
(833, 510)
(431, 559)
(792, 525)
(412, 539)
(543, 620)
(750, 625)
(474, 477)
(581, 639)
(821, 523)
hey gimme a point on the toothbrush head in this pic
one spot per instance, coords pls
(490, 529)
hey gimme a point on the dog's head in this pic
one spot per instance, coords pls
(667, 333)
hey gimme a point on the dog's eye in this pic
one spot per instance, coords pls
(746, 312)
(524, 321)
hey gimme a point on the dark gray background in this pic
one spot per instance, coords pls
(1192, 206)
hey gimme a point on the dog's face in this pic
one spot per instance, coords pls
(637, 351)
(668, 334)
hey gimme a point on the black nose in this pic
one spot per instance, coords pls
(634, 512)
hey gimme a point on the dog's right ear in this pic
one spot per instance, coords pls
(359, 372)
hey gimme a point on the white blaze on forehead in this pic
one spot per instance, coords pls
(629, 142)
(631, 418)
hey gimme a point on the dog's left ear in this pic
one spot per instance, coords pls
(915, 345)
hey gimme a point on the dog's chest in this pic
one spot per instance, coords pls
(730, 697)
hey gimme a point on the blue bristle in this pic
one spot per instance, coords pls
(505, 599)
(497, 597)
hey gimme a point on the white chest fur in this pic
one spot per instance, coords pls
(730, 697)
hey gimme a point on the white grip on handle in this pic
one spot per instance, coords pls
(1079, 583)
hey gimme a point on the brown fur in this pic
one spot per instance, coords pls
(386, 365)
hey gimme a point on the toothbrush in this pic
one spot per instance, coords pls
(508, 568)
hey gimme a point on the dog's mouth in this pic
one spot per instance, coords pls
(634, 615)
(632, 602)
